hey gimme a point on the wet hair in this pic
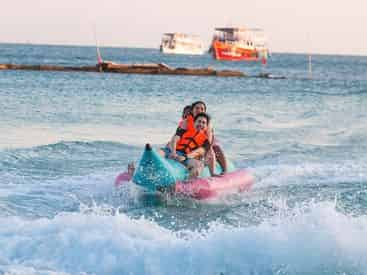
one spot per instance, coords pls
(202, 115)
(198, 102)
(187, 108)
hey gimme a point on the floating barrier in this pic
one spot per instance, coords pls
(110, 67)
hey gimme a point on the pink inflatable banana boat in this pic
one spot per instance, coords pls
(155, 173)
(205, 188)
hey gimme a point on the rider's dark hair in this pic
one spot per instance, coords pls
(188, 108)
(198, 102)
(202, 115)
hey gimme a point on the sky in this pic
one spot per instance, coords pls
(295, 26)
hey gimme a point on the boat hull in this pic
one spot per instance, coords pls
(233, 52)
(182, 50)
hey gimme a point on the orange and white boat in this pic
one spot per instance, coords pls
(237, 44)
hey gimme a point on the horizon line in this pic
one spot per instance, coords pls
(151, 48)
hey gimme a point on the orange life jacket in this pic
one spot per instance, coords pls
(190, 123)
(191, 140)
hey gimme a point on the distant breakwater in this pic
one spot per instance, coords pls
(110, 67)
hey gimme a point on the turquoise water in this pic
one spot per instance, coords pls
(65, 136)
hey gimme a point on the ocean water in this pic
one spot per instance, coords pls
(65, 136)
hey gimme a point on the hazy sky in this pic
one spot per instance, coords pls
(319, 26)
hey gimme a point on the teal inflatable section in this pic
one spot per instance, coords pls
(155, 171)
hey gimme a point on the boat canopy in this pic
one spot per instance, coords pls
(182, 38)
(230, 29)
(180, 35)
(252, 36)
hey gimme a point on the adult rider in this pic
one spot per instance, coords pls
(190, 145)
(215, 152)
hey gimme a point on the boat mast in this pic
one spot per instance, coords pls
(309, 61)
(99, 56)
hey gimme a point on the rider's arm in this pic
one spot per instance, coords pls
(199, 152)
(172, 145)
(210, 133)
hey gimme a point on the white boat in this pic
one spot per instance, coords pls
(180, 43)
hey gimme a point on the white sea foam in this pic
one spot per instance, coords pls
(315, 239)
